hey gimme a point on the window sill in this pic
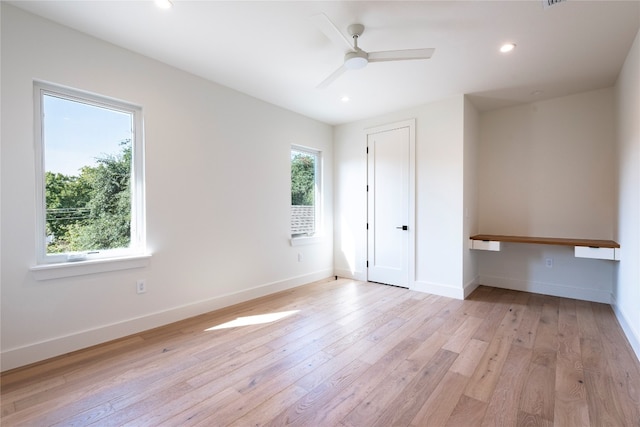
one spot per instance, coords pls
(302, 241)
(80, 268)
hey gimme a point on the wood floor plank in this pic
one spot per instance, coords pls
(499, 308)
(15, 395)
(308, 404)
(57, 404)
(468, 412)
(621, 365)
(373, 302)
(389, 341)
(368, 411)
(417, 310)
(480, 302)
(64, 364)
(336, 409)
(603, 402)
(526, 334)
(435, 303)
(431, 326)
(571, 413)
(538, 393)
(503, 405)
(456, 315)
(268, 409)
(437, 409)
(532, 420)
(188, 409)
(587, 325)
(546, 344)
(405, 406)
(335, 364)
(254, 394)
(374, 330)
(348, 353)
(469, 357)
(486, 376)
(87, 417)
(463, 334)
(571, 407)
(537, 401)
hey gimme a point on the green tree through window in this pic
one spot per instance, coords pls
(91, 211)
(302, 179)
(304, 191)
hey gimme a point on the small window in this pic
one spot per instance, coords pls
(90, 176)
(305, 191)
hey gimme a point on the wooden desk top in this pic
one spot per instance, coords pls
(548, 240)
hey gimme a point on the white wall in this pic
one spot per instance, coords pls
(471, 142)
(440, 243)
(218, 195)
(627, 286)
(548, 169)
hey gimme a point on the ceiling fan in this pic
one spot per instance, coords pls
(356, 58)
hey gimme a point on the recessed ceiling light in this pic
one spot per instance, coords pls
(345, 99)
(164, 4)
(507, 47)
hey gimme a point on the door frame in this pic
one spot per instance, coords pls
(411, 253)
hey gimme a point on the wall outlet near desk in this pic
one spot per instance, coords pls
(548, 262)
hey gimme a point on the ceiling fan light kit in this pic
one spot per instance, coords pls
(356, 60)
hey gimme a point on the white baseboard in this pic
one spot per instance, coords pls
(553, 289)
(632, 335)
(446, 290)
(471, 286)
(438, 289)
(21, 356)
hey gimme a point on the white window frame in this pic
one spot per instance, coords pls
(50, 264)
(318, 198)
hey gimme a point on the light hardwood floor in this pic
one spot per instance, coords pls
(349, 353)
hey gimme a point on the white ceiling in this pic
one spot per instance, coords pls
(272, 51)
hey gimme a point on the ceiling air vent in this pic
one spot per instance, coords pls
(548, 3)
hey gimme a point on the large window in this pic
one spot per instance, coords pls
(90, 176)
(305, 191)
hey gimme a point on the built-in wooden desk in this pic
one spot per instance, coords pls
(583, 248)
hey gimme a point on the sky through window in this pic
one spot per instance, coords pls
(78, 133)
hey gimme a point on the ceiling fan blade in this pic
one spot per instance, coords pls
(400, 55)
(332, 32)
(337, 73)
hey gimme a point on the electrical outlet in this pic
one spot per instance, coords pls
(141, 286)
(548, 262)
(300, 257)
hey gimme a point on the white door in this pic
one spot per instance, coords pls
(389, 197)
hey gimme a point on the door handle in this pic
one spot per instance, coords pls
(403, 227)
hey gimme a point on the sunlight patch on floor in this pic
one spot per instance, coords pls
(258, 319)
